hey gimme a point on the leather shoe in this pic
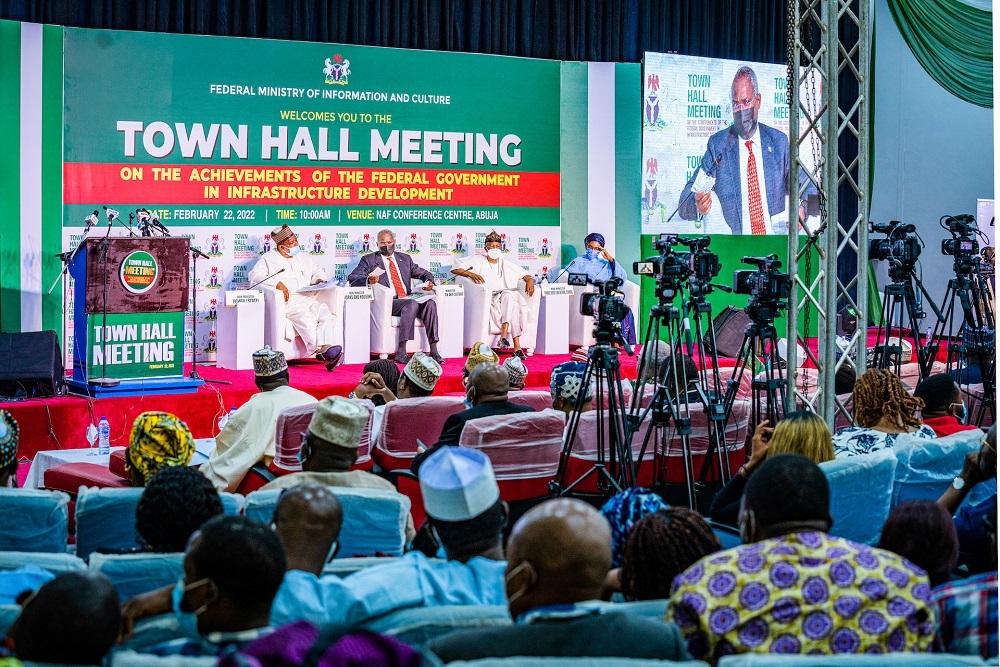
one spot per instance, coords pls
(520, 354)
(437, 357)
(333, 353)
(504, 344)
(403, 358)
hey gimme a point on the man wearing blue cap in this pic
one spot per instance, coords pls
(464, 510)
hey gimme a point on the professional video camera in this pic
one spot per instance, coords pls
(963, 244)
(768, 287)
(902, 245)
(603, 305)
(672, 269)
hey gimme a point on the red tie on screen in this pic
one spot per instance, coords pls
(753, 194)
(398, 284)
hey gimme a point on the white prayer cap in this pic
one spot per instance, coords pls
(339, 421)
(458, 484)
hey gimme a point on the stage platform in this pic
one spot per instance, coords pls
(61, 422)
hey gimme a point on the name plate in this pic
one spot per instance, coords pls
(234, 297)
(450, 290)
(556, 289)
(363, 293)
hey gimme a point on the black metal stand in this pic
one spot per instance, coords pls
(760, 335)
(901, 297)
(104, 381)
(193, 374)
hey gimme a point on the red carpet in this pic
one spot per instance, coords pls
(60, 423)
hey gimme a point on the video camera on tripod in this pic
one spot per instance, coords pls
(673, 269)
(963, 244)
(769, 288)
(901, 247)
(607, 309)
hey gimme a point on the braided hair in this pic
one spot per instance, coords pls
(877, 394)
(661, 546)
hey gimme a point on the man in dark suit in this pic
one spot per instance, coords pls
(745, 154)
(558, 556)
(399, 269)
(487, 391)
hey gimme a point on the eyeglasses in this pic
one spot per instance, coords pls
(745, 104)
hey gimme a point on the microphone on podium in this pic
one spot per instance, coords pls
(267, 278)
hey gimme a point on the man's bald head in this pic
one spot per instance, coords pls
(308, 519)
(488, 383)
(73, 619)
(558, 553)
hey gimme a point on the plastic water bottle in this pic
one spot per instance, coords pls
(224, 419)
(103, 437)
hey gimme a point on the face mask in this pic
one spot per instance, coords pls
(177, 596)
(468, 400)
(745, 123)
(493, 253)
(960, 413)
(386, 249)
(513, 597)
(294, 250)
(592, 254)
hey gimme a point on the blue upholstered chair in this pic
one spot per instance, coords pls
(422, 624)
(926, 468)
(374, 520)
(850, 660)
(133, 574)
(34, 520)
(860, 493)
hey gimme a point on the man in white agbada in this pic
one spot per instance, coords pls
(307, 317)
(508, 309)
(248, 436)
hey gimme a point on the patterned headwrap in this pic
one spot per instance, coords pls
(423, 371)
(480, 353)
(279, 234)
(517, 372)
(492, 237)
(580, 354)
(594, 237)
(567, 380)
(623, 511)
(159, 440)
(8, 439)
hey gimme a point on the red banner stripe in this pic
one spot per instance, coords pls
(154, 184)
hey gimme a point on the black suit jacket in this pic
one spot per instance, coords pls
(407, 270)
(609, 635)
(451, 432)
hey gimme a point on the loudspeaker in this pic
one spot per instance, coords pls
(730, 329)
(847, 322)
(31, 365)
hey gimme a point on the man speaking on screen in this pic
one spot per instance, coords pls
(746, 166)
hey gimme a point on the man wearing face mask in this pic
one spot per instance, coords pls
(944, 410)
(750, 164)
(600, 267)
(307, 318)
(395, 270)
(508, 309)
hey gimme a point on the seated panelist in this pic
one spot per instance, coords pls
(600, 267)
(394, 270)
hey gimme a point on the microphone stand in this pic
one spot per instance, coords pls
(104, 380)
(195, 254)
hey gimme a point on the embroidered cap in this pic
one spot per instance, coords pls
(268, 362)
(516, 371)
(567, 381)
(492, 237)
(480, 353)
(422, 371)
(458, 484)
(280, 234)
(339, 421)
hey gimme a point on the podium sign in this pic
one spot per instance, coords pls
(143, 285)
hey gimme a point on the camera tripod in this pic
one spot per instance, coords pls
(674, 392)
(760, 335)
(901, 298)
(613, 467)
(975, 344)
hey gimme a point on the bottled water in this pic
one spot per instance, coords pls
(224, 419)
(92, 439)
(104, 437)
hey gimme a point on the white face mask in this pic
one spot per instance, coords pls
(294, 250)
(493, 253)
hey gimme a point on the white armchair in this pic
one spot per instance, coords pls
(477, 315)
(581, 327)
(278, 331)
(385, 325)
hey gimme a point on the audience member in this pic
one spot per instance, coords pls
(307, 520)
(967, 608)
(232, 570)
(479, 353)
(972, 536)
(922, 532)
(8, 449)
(791, 588)
(418, 379)
(559, 555)
(653, 360)
(802, 432)
(680, 370)
(330, 448)
(302, 643)
(883, 410)
(944, 410)
(566, 385)
(158, 440)
(71, 620)
(248, 437)
(487, 392)
(517, 373)
(660, 547)
(464, 510)
(843, 381)
(377, 377)
(174, 504)
(623, 510)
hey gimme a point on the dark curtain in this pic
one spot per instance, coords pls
(594, 30)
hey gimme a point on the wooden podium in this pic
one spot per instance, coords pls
(129, 305)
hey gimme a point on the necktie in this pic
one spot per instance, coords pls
(753, 194)
(396, 282)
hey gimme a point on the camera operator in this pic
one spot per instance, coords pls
(600, 267)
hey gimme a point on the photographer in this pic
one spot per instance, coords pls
(600, 267)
